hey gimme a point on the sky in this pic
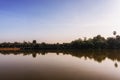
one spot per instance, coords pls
(55, 21)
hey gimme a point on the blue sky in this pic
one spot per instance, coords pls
(57, 20)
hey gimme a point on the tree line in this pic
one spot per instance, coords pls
(97, 42)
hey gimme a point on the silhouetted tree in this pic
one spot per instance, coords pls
(99, 42)
(34, 41)
(114, 32)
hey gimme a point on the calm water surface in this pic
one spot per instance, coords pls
(76, 65)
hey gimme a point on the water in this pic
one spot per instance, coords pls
(60, 65)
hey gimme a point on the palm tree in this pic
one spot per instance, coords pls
(114, 33)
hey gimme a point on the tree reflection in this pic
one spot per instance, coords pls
(96, 55)
(116, 65)
(34, 55)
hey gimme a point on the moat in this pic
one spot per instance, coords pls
(60, 65)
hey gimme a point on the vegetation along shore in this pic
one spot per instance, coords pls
(97, 42)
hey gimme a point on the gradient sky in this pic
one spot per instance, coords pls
(57, 20)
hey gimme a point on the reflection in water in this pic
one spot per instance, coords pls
(45, 65)
(116, 65)
(34, 55)
(97, 55)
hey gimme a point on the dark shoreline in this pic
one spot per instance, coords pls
(97, 42)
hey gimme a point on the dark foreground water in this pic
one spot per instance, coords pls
(63, 65)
